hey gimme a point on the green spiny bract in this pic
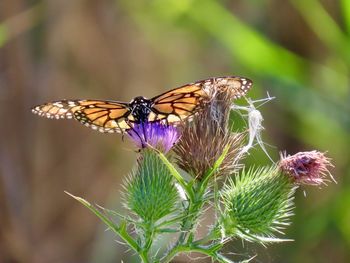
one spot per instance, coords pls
(150, 191)
(257, 204)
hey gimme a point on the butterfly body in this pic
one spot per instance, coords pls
(140, 109)
(170, 107)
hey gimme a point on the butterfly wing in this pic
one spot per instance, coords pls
(237, 86)
(178, 104)
(101, 115)
(172, 106)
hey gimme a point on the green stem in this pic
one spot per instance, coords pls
(209, 174)
(149, 232)
(190, 220)
(210, 237)
(144, 256)
(211, 251)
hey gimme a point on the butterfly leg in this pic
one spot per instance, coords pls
(142, 140)
(144, 135)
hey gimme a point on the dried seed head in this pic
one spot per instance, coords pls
(204, 139)
(309, 168)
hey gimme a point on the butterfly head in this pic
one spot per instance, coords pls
(141, 108)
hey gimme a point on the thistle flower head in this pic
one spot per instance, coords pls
(257, 203)
(204, 139)
(309, 168)
(155, 134)
(150, 191)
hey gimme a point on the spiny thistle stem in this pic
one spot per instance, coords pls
(149, 237)
(192, 213)
(196, 204)
(210, 250)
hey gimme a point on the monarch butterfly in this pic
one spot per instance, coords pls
(170, 107)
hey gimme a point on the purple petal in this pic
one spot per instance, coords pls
(306, 167)
(160, 136)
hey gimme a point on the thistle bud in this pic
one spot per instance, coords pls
(257, 203)
(308, 168)
(150, 191)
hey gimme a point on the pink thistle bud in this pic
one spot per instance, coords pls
(309, 168)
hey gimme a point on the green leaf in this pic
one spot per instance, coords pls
(214, 169)
(170, 221)
(176, 174)
(168, 230)
(115, 213)
(120, 230)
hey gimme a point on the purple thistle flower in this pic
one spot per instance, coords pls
(155, 134)
(309, 168)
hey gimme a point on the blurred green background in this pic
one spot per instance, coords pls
(297, 50)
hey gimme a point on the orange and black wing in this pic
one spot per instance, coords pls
(176, 105)
(237, 86)
(100, 115)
